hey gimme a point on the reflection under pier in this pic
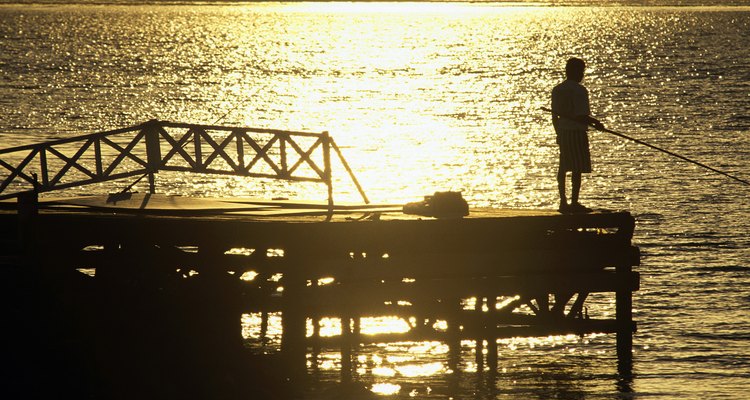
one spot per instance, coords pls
(192, 275)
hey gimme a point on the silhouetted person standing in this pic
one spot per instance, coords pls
(571, 118)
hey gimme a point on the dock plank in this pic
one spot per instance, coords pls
(153, 202)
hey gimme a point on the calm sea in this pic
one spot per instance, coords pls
(438, 96)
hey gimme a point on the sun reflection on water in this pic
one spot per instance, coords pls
(385, 324)
(424, 97)
(386, 389)
(331, 326)
(384, 371)
(417, 370)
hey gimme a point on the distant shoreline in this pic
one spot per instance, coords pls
(549, 3)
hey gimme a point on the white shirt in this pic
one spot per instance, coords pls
(570, 98)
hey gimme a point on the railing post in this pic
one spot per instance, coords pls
(43, 166)
(349, 170)
(326, 138)
(282, 155)
(153, 152)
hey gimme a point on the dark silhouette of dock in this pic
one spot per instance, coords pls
(142, 299)
(141, 294)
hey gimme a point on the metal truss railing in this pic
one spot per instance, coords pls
(144, 150)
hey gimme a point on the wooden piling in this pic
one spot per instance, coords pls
(293, 343)
(625, 325)
(28, 213)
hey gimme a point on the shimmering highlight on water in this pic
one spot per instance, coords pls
(426, 97)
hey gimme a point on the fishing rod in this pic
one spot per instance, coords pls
(681, 157)
(227, 113)
(236, 106)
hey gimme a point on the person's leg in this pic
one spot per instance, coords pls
(575, 206)
(576, 187)
(561, 188)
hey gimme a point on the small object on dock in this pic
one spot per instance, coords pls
(439, 205)
(120, 196)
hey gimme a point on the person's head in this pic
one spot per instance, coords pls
(574, 69)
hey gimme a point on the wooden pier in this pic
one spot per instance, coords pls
(375, 261)
(113, 292)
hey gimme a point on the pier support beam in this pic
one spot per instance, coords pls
(28, 211)
(625, 327)
(293, 347)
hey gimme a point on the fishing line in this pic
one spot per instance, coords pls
(239, 103)
(227, 113)
(641, 142)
